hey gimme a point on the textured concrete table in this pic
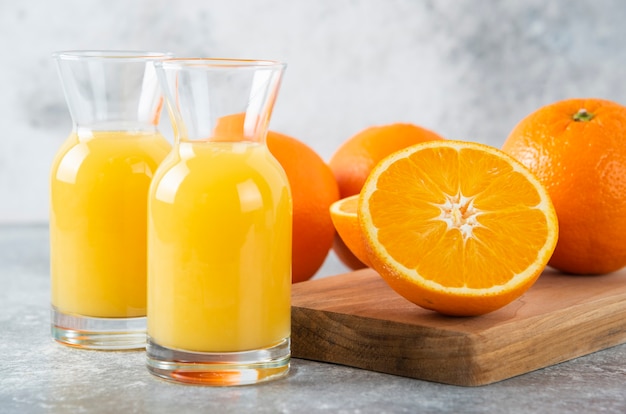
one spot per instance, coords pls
(38, 375)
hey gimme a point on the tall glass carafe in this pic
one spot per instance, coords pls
(98, 198)
(219, 232)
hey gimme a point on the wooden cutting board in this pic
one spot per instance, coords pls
(355, 319)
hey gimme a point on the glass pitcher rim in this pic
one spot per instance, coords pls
(102, 54)
(218, 63)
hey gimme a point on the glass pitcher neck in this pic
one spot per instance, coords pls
(111, 89)
(220, 100)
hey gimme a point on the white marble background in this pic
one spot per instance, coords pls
(468, 69)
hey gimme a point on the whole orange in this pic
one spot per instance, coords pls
(577, 149)
(353, 161)
(313, 189)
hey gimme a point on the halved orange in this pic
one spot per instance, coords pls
(457, 227)
(344, 216)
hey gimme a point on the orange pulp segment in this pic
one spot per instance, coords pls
(344, 216)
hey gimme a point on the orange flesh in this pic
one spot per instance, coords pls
(462, 215)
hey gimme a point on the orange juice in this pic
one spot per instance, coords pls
(99, 187)
(219, 240)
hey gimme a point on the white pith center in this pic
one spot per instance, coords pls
(458, 212)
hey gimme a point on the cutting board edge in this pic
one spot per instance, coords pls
(324, 350)
(471, 370)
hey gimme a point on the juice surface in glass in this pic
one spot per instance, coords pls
(219, 237)
(99, 187)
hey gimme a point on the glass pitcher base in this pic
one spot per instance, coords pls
(106, 334)
(219, 368)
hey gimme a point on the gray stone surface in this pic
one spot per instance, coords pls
(40, 376)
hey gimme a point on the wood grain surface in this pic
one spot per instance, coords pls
(356, 319)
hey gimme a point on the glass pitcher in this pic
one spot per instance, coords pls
(98, 197)
(219, 232)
